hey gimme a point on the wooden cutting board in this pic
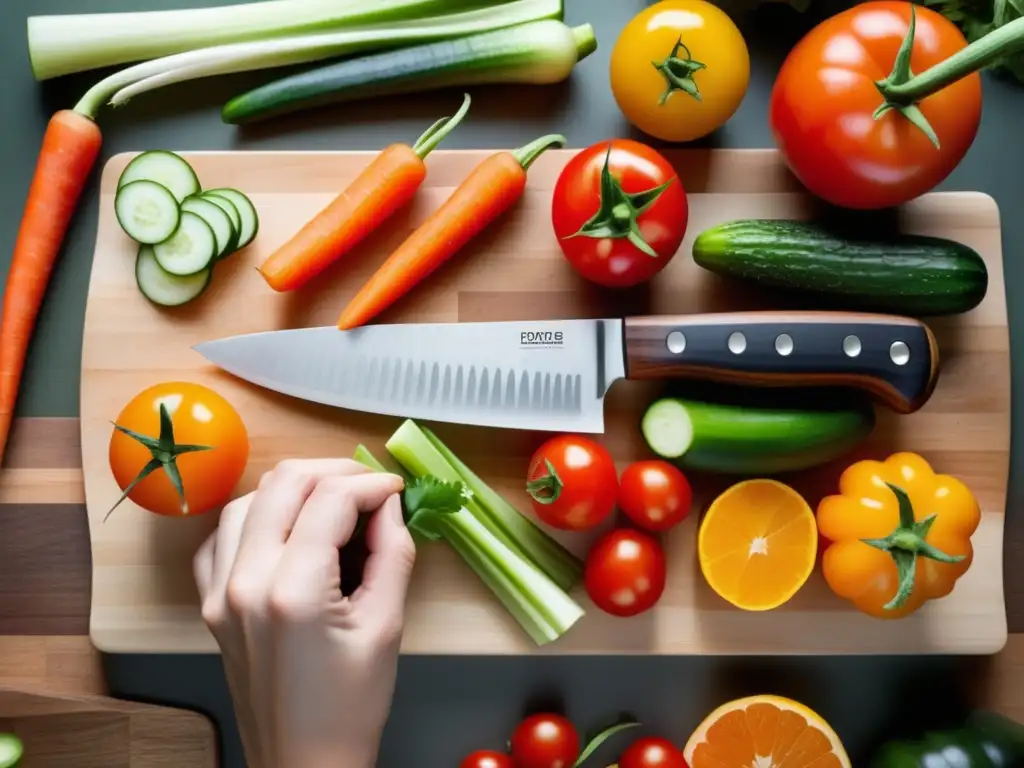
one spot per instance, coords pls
(100, 732)
(143, 596)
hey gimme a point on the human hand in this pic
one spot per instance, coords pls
(311, 671)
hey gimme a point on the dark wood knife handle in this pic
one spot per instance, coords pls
(895, 359)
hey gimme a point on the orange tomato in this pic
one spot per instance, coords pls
(824, 101)
(208, 446)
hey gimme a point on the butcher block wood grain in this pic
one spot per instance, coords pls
(143, 596)
(59, 730)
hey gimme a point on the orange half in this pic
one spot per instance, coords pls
(757, 544)
(765, 732)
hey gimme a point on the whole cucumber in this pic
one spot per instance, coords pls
(904, 274)
(741, 439)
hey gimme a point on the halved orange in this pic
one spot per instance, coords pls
(757, 544)
(765, 732)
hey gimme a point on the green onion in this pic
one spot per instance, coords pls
(63, 44)
(422, 453)
(535, 53)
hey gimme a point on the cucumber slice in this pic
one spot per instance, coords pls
(219, 221)
(147, 211)
(165, 168)
(250, 219)
(163, 288)
(227, 206)
(11, 750)
(191, 249)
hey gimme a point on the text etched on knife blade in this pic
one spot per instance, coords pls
(541, 339)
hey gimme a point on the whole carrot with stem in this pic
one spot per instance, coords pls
(385, 185)
(490, 189)
(69, 150)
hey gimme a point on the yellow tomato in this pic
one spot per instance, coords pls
(680, 69)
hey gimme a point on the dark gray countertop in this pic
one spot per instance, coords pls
(447, 706)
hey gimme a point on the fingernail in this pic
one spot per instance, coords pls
(393, 507)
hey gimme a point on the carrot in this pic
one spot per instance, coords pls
(384, 186)
(69, 151)
(489, 190)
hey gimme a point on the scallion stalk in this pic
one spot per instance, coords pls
(63, 44)
(419, 454)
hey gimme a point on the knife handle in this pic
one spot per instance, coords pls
(895, 359)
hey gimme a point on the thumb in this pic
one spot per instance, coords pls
(388, 570)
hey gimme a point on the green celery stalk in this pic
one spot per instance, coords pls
(62, 44)
(363, 455)
(423, 453)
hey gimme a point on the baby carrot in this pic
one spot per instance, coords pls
(69, 151)
(384, 186)
(489, 190)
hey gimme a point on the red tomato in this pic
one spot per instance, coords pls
(199, 416)
(614, 234)
(572, 482)
(652, 752)
(625, 572)
(654, 495)
(545, 741)
(485, 758)
(824, 98)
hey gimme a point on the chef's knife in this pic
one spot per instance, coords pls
(553, 375)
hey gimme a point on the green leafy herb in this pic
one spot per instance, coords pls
(976, 18)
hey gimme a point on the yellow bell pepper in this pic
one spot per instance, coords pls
(899, 534)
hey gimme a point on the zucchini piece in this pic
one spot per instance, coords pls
(163, 288)
(249, 218)
(11, 750)
(741, 439)
(903, 274)
(146, 211)
(223, 227)
(191, 249)
(165, 168)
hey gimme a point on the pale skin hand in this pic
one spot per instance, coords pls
(311, 671)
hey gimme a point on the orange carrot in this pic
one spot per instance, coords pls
(69, 151)
(489, 190)
(384, 186)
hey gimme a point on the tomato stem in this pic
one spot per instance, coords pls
(165, 454)
(906, 544)
(547, 488)
(678, 72)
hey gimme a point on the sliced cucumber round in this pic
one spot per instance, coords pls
(191, 249)
(250, 219)
(147, 211)
(163, 288)
(11, 750)
(219, 221)
(165, 168)
(227, 206)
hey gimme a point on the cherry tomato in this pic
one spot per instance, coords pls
(620, 212)
(198, 417)
(654, 495)
(573, 482)
(652, 752)
(625, 572)
(545, 741)
(824, 100)
(700, 72)
(487, 759)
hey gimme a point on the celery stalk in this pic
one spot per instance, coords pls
(417, 452)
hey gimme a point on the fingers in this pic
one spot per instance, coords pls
(390, 564)
(202, 565)
(333, 508)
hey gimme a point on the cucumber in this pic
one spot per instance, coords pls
(163, 288)
(250, 220)
(11, 750)
(903, 274)
(223, 227)
(190, 250)
(165, 168)
(146, 211)
(734, 439)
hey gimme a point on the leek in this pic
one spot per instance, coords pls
(64, 44)
(283, 51)
(436, 509)
(424, 454)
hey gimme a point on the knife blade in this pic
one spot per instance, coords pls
(553, 375)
